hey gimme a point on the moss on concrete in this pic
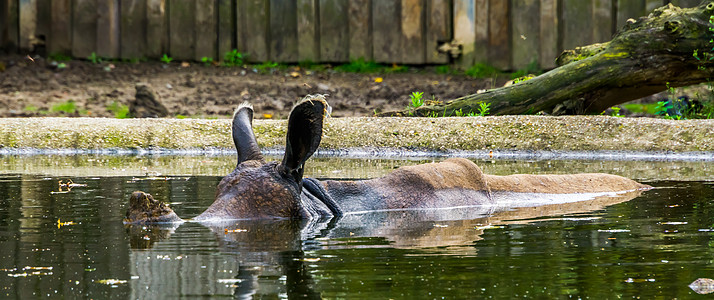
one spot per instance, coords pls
(564, 133)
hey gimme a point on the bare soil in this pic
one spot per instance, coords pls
(32, 87)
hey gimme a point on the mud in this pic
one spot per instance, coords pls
(33, 87)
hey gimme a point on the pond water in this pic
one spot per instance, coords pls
(71, 243)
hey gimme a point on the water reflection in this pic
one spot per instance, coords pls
(651, 246)
(275, 248)
(338, 168)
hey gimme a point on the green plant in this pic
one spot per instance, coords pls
(397, 69)
(523, 78)
(94, 58)
(166, 59)
(676, 105)
(616, 112)
(670, 90)
(707, 110)
(266, 67)
(432, 114)
(59, 57)
(67, 107)
(417, 100)
(119, 110)
(459, 112)
(662, 107)
(444, 69)
(310, 65)
(361, 66)
(31, 108)
(481, 70)
(180, 116)
(641, 108)
(233, 58)
(207, 61)
(483, 108)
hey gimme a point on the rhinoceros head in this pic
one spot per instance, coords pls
(256, 189)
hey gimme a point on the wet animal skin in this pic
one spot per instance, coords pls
(260, 190)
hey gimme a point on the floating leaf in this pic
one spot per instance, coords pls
(60, 223)
(613, 230)
(702, 286)
(37, 268)
(311, 259)
(230, 280)
(111, 281)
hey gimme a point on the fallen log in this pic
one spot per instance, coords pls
(671, 47)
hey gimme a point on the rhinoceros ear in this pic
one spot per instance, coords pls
(304, 134)
(243, 136)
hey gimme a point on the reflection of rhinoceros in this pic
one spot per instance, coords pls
(260, 190)
(261, 251)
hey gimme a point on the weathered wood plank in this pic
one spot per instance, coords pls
(255, 30)
(577, 16)
(59, 40)
(606, 77)
(157, 34)
(28, 24)
(412, 32)
(133, 29)
(360, 15)
(603, 28)
(471, 31)
(438, 30)
(108, 27)
(307, 39)
(627, 9)
(225, 27)
(239, 31)
(283, 31)
(3, 24)
(686, 3)
(652, 4)
(549, 48)
(498, 37)
(205, 33)
(44, 26)
(385, 31)
(481, 31)
(334, 33)
(181, 29)
(84, 28)
(525, 33)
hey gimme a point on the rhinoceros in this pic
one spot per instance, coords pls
(257, 189)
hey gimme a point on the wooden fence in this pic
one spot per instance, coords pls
(508, 34)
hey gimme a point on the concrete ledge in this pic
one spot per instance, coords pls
(499, 133)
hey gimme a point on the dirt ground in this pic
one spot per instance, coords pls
(33, 87)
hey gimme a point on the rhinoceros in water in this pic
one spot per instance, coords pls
(261, 190)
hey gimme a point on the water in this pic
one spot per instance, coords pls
(72, 244)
